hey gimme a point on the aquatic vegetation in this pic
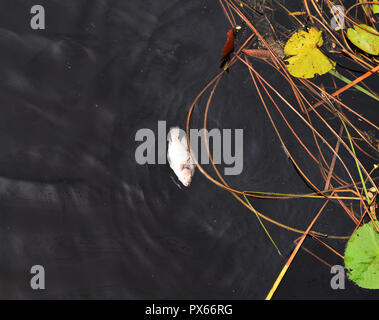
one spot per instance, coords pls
(306, 59)
(228, 49)
(362, 256)
(338, 145)
(365, 38)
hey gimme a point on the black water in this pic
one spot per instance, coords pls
(73, 198)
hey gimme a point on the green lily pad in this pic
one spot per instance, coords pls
(375, 8)
(364, 40)
(362, 256)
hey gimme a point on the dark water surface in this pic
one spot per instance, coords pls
(73, 198)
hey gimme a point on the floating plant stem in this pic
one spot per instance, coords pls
(260, 221)
(358, 87)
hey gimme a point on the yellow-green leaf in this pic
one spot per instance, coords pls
(375, 8)
(366, 41)
(306, 60)
(362, 256)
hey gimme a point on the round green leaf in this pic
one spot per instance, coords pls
(362, 256)
(364, 40)
(375, 8)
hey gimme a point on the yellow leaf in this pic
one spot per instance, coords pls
(302, 40)
(306, 59)
(309, 64)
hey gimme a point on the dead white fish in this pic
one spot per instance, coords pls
(179, 157)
